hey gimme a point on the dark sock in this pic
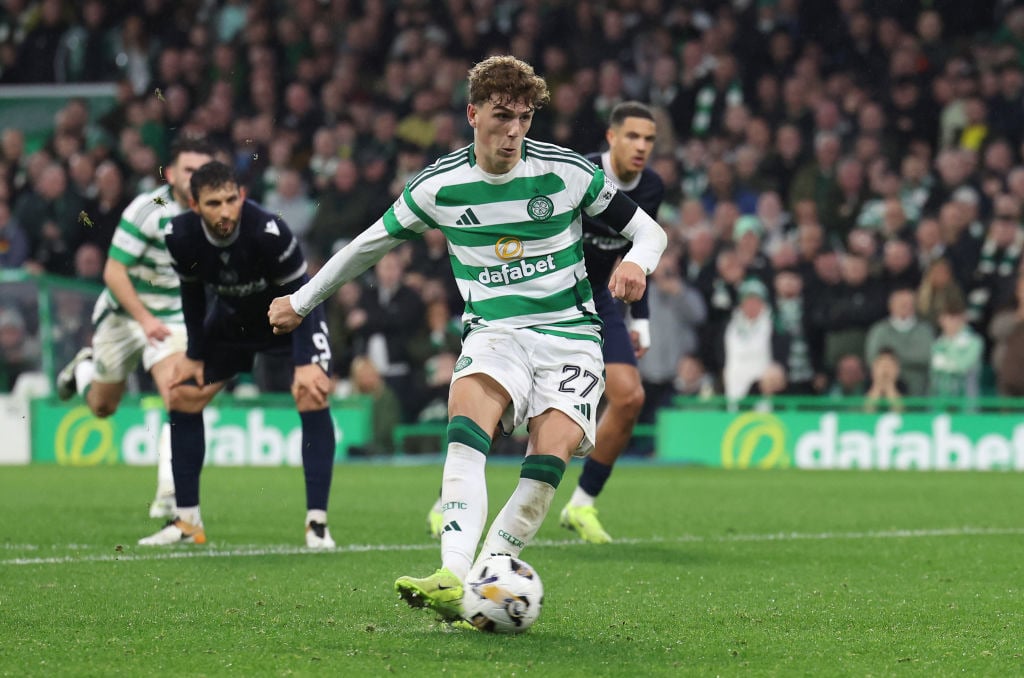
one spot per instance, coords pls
(317, 456)
(594, 476)
(188, 450)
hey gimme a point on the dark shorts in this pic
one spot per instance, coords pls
(231, 349)
(618, 347)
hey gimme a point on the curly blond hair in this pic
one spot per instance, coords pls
(505, 79)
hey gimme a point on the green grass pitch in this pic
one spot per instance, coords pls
(713, 573)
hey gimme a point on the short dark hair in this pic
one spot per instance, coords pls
(213, 174)
(189, 144)
(629, 109)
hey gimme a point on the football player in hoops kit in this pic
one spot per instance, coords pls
(631, 134)
(138, 314)
(510, 208)
(248, 256)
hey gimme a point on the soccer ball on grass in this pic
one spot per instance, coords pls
(502, 594)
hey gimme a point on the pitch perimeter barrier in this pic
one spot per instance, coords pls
(262, 431)
(52, 318)
(980, 434)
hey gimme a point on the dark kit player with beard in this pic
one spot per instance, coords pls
(248, 256)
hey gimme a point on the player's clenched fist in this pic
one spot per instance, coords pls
(282, 316)
(628, 282)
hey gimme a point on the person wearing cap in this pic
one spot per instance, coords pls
(747, 233)
(751, 344)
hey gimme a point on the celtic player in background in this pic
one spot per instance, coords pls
(510, 208)
(138, 315)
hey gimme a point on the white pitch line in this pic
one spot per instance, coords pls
(244, 551)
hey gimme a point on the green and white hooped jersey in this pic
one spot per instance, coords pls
(138, 243)
(514, 239)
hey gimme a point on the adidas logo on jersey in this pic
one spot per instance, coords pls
(468, 219)
(510, 273)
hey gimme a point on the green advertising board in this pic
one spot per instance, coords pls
(842, 440)
(262, 432)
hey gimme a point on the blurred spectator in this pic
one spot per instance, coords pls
(429, 260)
(886, 389)
(288, 200)
(677, 312)
(72, 322)
(852, 194)
(37, 54)
(14, 245)
(343, 212)
(956, 356)
(746, 234)
(439, 371)
(751, 345)
(1006, 331)
(87, 51)
(19, 351)
(930, 245)
(337, 309)
(722, 187)
(802, 366)
(907, 337)
(324, 159)
(817, 181)
(691, 380)
(786, 159)
(775, 221)
(998, 263)
(105, 208)
(721, 298)
(938, 291)
(851, 378)
(49, 213)
(848, 309)
(89, 260)
(367, 381)
(383, 324)
(899, 268)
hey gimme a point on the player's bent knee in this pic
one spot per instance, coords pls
(307, 403)
(187, 400)
(630, 402)
(103, 410)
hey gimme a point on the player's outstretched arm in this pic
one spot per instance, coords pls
(348, 262)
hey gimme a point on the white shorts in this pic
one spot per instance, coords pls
(119, 343)
(540, 372)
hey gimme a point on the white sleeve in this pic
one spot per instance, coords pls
(649, 241)
(348, 262)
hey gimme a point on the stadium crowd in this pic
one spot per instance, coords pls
(844, 180)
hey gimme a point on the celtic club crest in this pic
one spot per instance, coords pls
(540, 208)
